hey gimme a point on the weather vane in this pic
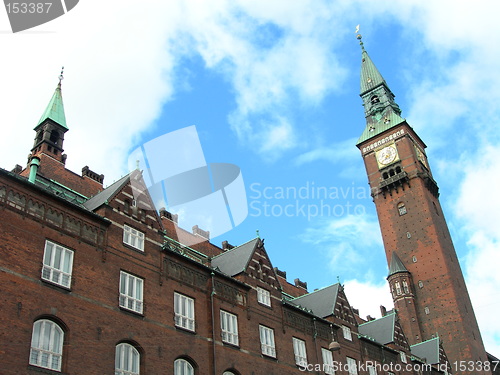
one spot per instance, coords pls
(61, 77)
(358, 36)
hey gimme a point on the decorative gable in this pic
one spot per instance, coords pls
(343, 309)
(260, 267)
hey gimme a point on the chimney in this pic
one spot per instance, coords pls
(197, 231)
(168, 215)
(280, 272)
(369, 318)
(226, 246)
(383, 310)
(35, 162)
(300, 284)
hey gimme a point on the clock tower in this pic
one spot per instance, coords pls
(426, 281)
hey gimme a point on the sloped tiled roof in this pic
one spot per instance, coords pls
(428, 350)
(321, 302)
(380, 330)
(104, 196)
(235, 261)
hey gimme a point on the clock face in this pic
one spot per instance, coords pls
(387, 155)
(421, 157)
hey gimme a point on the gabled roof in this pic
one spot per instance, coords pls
(55, 109)
(396, 265)
(235, 261)
(321, 302)
(104, 196)
(428, 350)
(380, 330)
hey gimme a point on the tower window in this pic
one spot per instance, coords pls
(406, 290)
(398, 288)
(375, 99)
(420, 284)
(414, 258)
(54, 136)
(401, 209)
(427, 311)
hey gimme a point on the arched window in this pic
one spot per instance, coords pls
(183, 367)
(127, 360)
(401, 209)
(46, 345)
(398, 288)
(406, 289)
(228, 373)
(374, 99)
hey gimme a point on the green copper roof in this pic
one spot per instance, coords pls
(370, 76)
(378, 124)
(396, 265)
(55, 109)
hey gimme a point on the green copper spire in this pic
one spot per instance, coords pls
(396, 265)
(55, 108)
(381, 111)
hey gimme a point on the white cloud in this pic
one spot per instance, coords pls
(348, 241)
(477, 209)
(367, 297)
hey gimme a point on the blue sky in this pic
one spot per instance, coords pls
(273, 87)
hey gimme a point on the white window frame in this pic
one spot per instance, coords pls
(47, 341)
(131, 292)
(327, 361)
(229, 328)
(133, 237)
(299, 350)
(346, 331)
(398, 288)
(57, 264)
(183, 367)
(263, 296)
(371, 370)
(184, 311)
(352, 366)
(127, 360)
(267, 344)
(406, 288)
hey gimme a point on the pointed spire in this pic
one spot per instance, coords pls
(370, 76)
(55, 108)
(381, 111)
(396, 265)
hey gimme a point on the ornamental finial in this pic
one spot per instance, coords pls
(61, 77)
(358, 36)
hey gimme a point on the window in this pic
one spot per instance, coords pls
(371, 370)
(267, 341)
(427, 311)
(183, 367)
(405, 287)
(420, 284)
(57, 264)
(127, 360)
(347, 333)
(327, 361)
(351, 366)
(401, 209)
(299, 349)
(46, 345)
(229, 327)
(131, 292)
(403, 357)
(184, 311)
(398, 288)
(133, 237)
(263, 296)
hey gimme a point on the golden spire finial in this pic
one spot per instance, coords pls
(358, 36)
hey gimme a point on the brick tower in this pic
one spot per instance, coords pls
(426, 281)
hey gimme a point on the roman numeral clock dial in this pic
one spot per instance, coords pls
(387, 155)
